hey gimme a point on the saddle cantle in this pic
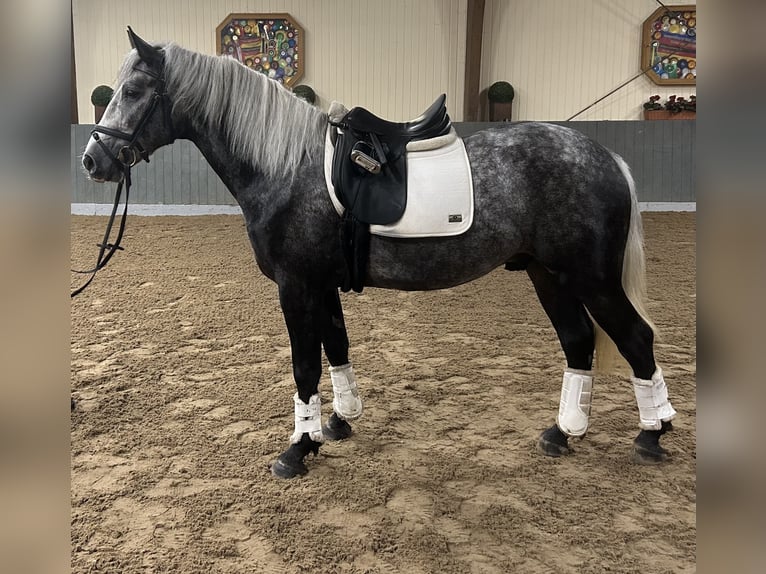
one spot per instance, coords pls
(369, 169)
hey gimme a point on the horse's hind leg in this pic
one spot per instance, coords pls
(346, 402)
(575, 331)
(634, 339)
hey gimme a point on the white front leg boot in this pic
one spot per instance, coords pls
(574, 406)
(653, 404)
(346, 402)
(308, 418)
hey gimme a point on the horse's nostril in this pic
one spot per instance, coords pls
(88, 163)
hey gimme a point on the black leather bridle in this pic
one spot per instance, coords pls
(126, 158)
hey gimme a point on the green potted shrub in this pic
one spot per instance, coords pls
(100, 97)
(305, 93)
(500, 95)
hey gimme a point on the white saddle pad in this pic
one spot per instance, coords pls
(439, 189)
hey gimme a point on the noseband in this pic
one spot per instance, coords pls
(125, 158)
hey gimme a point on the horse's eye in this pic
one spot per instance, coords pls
(129, 93)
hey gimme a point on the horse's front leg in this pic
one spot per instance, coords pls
(302, 309)
(346, 402)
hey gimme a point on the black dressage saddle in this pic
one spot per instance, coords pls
(369, 168)
(369, 174)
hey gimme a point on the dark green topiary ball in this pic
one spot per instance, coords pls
(101, 95)
(501, 92)
(305, 93)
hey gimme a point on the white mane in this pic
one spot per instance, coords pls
(265, 124)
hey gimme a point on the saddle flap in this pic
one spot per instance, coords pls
(378, 198)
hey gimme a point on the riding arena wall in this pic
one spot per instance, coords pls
(178, 180)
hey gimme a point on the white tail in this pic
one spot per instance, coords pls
(607, 358)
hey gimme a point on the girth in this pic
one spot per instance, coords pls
(369, 174)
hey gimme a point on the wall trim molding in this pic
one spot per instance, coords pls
(155, 209)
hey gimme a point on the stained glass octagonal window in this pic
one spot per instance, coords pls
(271, 44)
(669, 45)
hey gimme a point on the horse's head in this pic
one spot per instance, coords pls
(137, 120)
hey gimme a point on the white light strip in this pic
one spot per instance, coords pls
(667, 206)
(155, 209)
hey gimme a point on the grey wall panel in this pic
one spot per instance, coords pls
(661, 154)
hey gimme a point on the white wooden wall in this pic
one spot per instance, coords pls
(395, 56)
(562, 55)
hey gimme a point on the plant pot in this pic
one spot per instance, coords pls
(666, 115)
(500, 111)
(99, 112)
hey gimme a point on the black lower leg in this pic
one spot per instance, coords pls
(646, 446)
(336, 428)
(334, 336)
(632, 335)
(634, 339)
(335, 343)
(290, 463)
(575, 332)
(302, 311)
(567, 314)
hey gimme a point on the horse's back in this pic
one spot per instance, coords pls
(540, 190)
(563, 190)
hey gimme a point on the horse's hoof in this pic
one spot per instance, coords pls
(336, 428)
(649, 454)
(553, 442)
(288, 468)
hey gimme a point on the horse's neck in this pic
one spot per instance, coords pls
(248, 184)
(235, 174)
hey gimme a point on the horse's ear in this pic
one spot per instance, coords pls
(146, 51)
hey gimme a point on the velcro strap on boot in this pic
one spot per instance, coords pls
(346, 402)
(653, 404)
(574, 406)
(308, 419)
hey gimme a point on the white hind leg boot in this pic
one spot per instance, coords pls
(653, 404)
(574, 406)
(346, 402)
(308, 418)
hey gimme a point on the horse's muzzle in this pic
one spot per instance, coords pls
(99, 167)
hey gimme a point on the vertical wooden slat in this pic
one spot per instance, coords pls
(73, 115)
(691, 155)
(473, 40)
(140, 190)
(628, 149)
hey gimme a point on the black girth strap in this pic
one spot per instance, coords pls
(126, 158)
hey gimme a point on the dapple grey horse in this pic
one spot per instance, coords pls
(547, 200)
